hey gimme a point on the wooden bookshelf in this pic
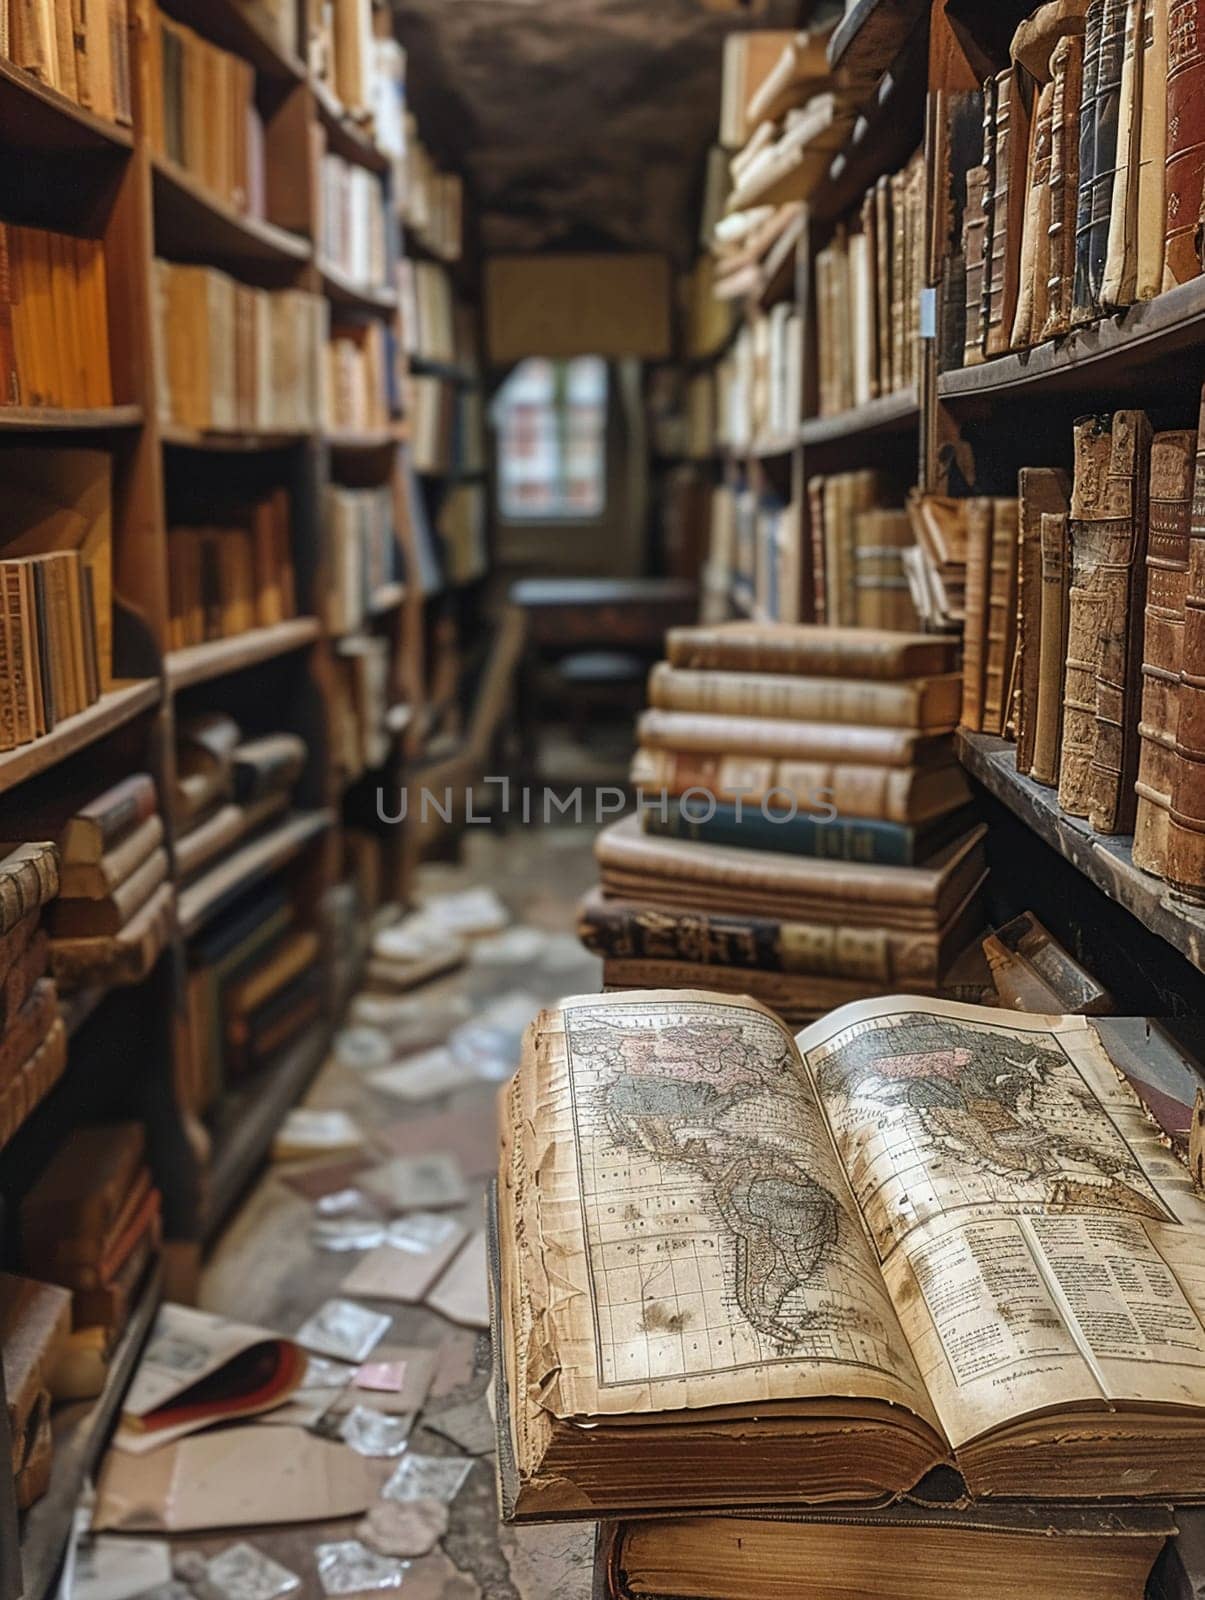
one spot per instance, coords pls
(192, 223)
(358, 297)
(890, 413)
(54, 419)
(81, 1433)
(247, 865)
(244, 29)
(119, 706)
(33, 113)
(200, 662)
(237, 443)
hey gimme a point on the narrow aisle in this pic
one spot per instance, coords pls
(265, 1269)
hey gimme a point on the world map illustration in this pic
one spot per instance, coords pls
(716, 1235)
(956, 1114)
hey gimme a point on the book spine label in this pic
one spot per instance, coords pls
(755, 828)
(1185, 170)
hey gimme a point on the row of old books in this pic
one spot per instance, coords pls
(54, 328)
(759, 383)
(363, 735)
(357, 367)
(1081, 636)
(90, 1230)
(231, 356)
(430, 200)
(858, 543)
(228, 787)
(1088, 192)
(49, 638)
(225, 580)
(365, 555)
(342, 53)
(936, 564)
(868, 293)
(203, 116)
(446, 425)
(83, 52)
(434, 326)
(800, 1394)
(804, 834)
(351, 235)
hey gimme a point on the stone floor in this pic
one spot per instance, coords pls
(265, 1270)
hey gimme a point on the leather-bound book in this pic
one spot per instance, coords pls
(1108, 534)
(978, 573)
(882, 285)
(1119, 285)
(1001, 615)
(1008, 210)
(1052, 654)
(1107, 112)
(1152, 152)
(1185, 139)
(1035, 239)
(1184, 867)
(809, 650)
(125, 957)
(1173, 464)
(990, 91)
(1066, 66)
(974, 248)
(81, 1191)
(1043, 491)
(108, 914)
(684, 733)
(1083, 303)
(928, 705)
(29, 877)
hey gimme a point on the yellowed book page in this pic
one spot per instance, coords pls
(692, 1238)
(1041, 1245)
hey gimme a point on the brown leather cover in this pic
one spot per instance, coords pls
(928, 705)
(121, 958)
(23, 974)
(978, 571)
(974, 249)
(1108, 535)
(37, 1077)
(1185, 859)
(81, 1192)
(852, 744)
(1043, 491)
(637, 866)
(1001, 615)
(1035, 240)
(1067, 64)
(29, 877)
(1185, 138)
(1008, 210)
(28, 1027)
(35, 1319)
(1118, 287)
(1052, 652)
(1173, 464)
(810, 651)
(1152, 152)
(1083, 305)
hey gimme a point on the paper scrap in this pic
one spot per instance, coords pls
(349, 1567)
(242, 1572)
(342, 1329)
(427, 1478)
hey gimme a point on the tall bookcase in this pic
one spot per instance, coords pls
(72, 171)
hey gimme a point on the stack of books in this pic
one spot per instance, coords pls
(35, 1327)
(116, 908)
(54, 328)
(231, 356)
(794, 1316)
(227, 787)
(365, 555)
(33, 1045)
(227, 580)
(202, 114)
(868, 294)
(255, 983)
(804, 835)
(858, 542)
(351, 222)
(92, 1223)
(935, 565)
(356, 373)
(83, 52)
(1084, 192)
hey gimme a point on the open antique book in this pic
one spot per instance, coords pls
(741, 1269)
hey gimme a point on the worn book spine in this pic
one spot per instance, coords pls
(926, 705)
(689, 731)
(1083, 304)
(1043, 491)
(122, 958)
(882, 286)
(84, 918)
(1035, 240)
(1120, 283)
(1173, 464)
(1184, 866)
(990, 145)
(1067, 67)
(752, 827)
(1001, 614)
(97, 826)
(854, 652)
(974, 246)
(1185, 168)
(1105, 153)
(29, 877)
(978, 568)
(1008, 210)
(1151, 226)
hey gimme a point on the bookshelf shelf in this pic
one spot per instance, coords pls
(194, 224)
(242, 29)
(344, 292)
(51, 122)
(451, 371)
(371, 439)
(233, 441)
(215, 889)
(1125, 352)
(249, 1118)
(100, 419)
(344, 136)
(1106, 861)
(891, 413)
(200, 662)
(80, 1435)
(112, 710)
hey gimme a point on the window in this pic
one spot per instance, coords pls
(551, 422)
